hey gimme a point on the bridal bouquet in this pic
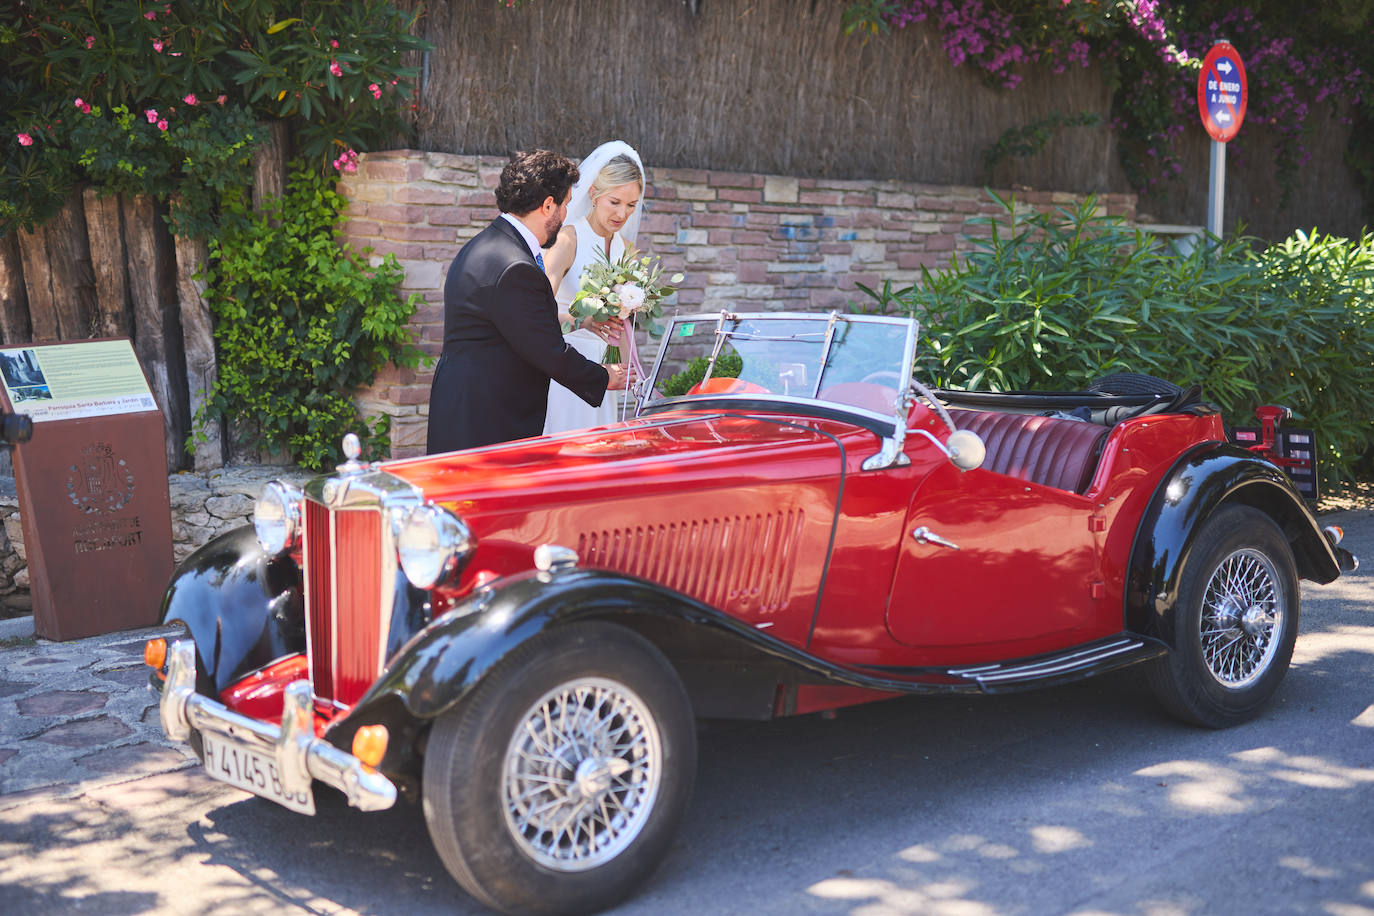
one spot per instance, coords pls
(627, 288)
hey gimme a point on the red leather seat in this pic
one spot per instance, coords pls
(721, 384)
(877, 398)
(1046, 450)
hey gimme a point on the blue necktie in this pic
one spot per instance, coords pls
(539, 259)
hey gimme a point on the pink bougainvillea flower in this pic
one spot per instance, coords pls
(90, 42)
(151, 115)
(375, 90)
(335, 69)
(190, 99)
(24, 139)
(162, 125)
(157, 46)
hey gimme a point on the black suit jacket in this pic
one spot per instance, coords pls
(502, 344)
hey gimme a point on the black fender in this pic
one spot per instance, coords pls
(243, 608)
(1202, 481)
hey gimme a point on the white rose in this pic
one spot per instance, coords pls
(631, 297)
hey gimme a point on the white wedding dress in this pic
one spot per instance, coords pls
(566, 410)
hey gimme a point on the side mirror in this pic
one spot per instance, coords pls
(966, 449)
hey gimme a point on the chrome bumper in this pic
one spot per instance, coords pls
(301, 757)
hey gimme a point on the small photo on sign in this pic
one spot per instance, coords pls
(22, 371)
(31, 393)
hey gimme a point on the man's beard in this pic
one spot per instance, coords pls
(551, 227)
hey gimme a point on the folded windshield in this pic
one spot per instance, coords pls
(858, 360)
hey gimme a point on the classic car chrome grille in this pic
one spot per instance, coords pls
(344, 600)
(745, 562)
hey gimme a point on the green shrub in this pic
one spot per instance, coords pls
(301, 322)
(1051, 301)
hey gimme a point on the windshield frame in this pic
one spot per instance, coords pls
(645, 399)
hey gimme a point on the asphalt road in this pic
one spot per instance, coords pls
(1083, 800)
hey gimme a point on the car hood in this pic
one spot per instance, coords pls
(660, 454)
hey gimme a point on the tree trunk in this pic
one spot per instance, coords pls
(269, 165)
(33, 252)
(157, 320)
(14, 301)
(197, 328)
(104, 227)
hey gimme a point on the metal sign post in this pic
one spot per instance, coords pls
(1222, 93)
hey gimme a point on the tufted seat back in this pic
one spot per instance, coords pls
(1046, 450)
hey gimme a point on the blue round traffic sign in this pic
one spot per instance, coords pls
(1222, 92)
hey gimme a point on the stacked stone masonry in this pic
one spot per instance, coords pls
(744, 241)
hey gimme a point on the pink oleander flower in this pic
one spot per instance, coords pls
(157, 46)
(150, 15)
(90, 42)
(83, 105)
(162, 125)
(333, 42)
(335, 69)
(375, 90)
(221, 99)
(24, 139)
(151, 115)
(347, 161)
(190, 99)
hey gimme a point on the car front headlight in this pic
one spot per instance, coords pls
(433, 544)
(277, 517)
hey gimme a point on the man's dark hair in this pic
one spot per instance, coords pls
(531, 177)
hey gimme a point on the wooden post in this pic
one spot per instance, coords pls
(197, 329)
(73, 280)
(157, 318)
(14, 301)
(33, 253)
(104, 227)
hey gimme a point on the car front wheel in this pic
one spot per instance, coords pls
(1235, 622)
(559, 785)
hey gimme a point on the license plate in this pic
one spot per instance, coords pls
(241, 766)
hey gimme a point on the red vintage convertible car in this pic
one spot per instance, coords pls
(520, 636)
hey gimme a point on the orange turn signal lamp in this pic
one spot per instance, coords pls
(369, 744)
(155, 653)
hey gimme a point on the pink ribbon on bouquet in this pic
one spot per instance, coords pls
(631, 353)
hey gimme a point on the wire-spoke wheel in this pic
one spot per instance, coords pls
(1235, 621)
(1242, 610)
(558, 785)
(582, 773)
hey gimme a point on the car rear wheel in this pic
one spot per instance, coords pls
(559, 785)
(1235, 622)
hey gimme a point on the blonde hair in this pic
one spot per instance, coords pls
(620, 170)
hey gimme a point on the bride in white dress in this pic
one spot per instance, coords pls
(603, 218)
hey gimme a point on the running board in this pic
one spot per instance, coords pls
(1072, 665)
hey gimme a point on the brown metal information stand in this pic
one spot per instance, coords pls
(92, 486)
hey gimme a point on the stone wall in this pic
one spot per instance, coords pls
(203, 506)
(744, 241)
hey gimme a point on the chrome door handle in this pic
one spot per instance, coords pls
(924, 535)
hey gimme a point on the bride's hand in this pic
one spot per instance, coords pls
(608, 330)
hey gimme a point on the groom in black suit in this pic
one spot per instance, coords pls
(502, 340)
